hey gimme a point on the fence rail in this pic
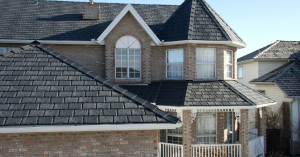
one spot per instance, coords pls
(216, 150)
(170, 150)
(256, 147)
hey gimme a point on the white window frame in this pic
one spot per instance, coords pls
(174, 63)
(229, 64)
(208, 135)
(240, 73)
(172, 134)
(205, 63)
(136, 43)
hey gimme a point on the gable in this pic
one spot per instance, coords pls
(138, 18)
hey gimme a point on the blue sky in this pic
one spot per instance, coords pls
(257, 22)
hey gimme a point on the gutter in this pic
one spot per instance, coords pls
(79, 128)
(162, 107)
(59, 42)
(266, 83)
(231, 43)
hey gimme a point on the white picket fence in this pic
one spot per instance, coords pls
(256, 147)
(216, 150)
(170, 150)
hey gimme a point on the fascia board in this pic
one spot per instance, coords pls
(234, 44)
(246, 61)
(139, 19)
(262, 83)
(79, 128)
(162, 107)
(58, 42)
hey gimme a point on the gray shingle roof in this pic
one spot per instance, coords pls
(277, 50)
(200, 93)
(57, 20)
(196, 20)
(40, 87)
(287, 78)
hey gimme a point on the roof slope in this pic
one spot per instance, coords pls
(287, 78)
(201, 93)
(40, 87)
(277, 50)
(58, 20)
(196, 20)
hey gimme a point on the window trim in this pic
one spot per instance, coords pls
(208, 135)
(239, 72)
(229, 64)
(174, 64)
(128, 64)
(198, 63)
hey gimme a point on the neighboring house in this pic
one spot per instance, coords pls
(273, 71)
(142, 67)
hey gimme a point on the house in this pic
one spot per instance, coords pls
(273, 71)
(108, 79)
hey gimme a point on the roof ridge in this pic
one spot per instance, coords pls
(97, 78)
(237, 92)
(171, 18)
(209, 11)
(267, 49)
(192, 18)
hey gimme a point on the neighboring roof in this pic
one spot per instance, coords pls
(40, 87)
(57, 20)
(277, 50)
(200, 93)
(286, 77)
(196, 20)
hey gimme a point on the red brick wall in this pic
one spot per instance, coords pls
(128, 26)
(113, 143)
(187, 132)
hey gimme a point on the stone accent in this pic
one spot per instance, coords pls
(187, 132)
(91, 11)
(103, 144)
(128, 26)
(244, 132)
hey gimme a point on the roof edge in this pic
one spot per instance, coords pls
(129, 8)
(79, 128)
(59, 42)
(230, 43)
(267, 49)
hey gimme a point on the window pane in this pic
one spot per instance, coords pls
(118, 75)
(240, 71)
(175, 56)
(205, 71)
(229, 57)
(206, 55)
(175, 71)
(206, 123)
(229, 71)
(118, 70)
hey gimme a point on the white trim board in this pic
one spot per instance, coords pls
(78, 128)
(139, 19)
(230, 43)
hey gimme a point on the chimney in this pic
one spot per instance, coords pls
(91, 11)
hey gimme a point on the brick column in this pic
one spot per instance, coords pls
(187, 132)
(263, 126)
(221, 125)
(244, 132)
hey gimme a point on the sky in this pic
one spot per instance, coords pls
(257, 22)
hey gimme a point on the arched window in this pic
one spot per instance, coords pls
(128, 58)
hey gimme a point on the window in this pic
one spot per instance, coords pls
(5, 49)
(175, 63)
(229, 64)
(174, 135)
(240, 72)
(205, 63)
(229, 127)
(206, 127)
(128, 58)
